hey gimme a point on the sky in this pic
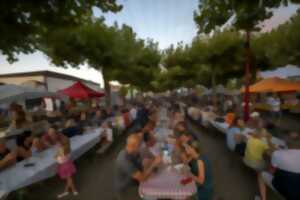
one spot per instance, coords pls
(165, 21)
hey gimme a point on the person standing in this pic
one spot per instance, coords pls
(66, 170)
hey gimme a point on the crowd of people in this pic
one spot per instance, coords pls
(142, 156)
(276, 165)
(59, 129)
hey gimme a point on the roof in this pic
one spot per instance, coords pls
(46, 73)
(274, 84)
(10, 93)
(80, 91)
(282, 72)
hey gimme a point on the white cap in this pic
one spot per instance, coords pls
(255, 114)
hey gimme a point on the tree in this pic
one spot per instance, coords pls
(24, 23)
(220, 55)
(283, 43)
(248, 14)
(114, 50)
(180, 68)
(173, 78)
(177, 56)
(279, 47)
(143, 70)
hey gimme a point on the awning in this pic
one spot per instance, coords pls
(10, 93)
(80, 91)
(274, 84)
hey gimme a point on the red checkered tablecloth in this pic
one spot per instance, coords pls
(166, 185)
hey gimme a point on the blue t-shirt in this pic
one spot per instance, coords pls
(230, 137)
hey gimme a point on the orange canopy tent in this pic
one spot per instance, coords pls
(274, 84)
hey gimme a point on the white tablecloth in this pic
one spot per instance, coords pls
(19, 176)
(220, 126)
(223, 128)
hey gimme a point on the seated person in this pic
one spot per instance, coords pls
(149, 148)
(254, 155)
(110, 112)
(181, 132)
(129, 168)
(25, 152)
(98, 118)
(24, 142)
(285, 176)
(19, 121)
(194, 113)
(37, 145)
(25, 139)
(208, 115)
(229, 117)
(71, 129)
(7, 158)
(254, 120)
(149, 127)
(182, 138)
(83, 120)
(255, 149)
(106, 138)
(52, 137)
(234, 138)
(201, 171)
(177, 118)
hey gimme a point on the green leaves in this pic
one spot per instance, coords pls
(248, 14)
(114, 50)
(280, 46)
(24, 23)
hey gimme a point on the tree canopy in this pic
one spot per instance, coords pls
(24, 23)
(248, 14)
(114, 50)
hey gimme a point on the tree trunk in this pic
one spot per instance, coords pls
(214, 87)
(247, 77)
(107, 91)
(213, 80)
(131, 92)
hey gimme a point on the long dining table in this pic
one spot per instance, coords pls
(223, 127)
(43, 165)
(166, 182)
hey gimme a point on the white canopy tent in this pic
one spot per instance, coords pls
(288, 71)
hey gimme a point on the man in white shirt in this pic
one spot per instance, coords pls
(132, 113)
(286, 178)
(275, 103)
(194, 113)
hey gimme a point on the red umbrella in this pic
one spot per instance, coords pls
(80, 91)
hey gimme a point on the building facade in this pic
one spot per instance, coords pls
(47, 80)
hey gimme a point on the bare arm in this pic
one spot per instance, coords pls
(185, 158)
(141, 176)
(201, 173)
(9, 160)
